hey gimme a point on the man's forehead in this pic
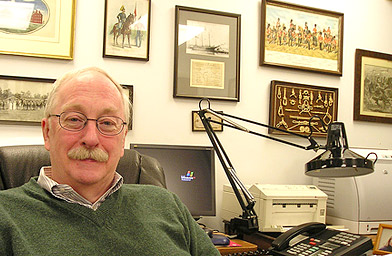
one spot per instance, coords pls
(75, 106)
(88, 80)
(77, 93)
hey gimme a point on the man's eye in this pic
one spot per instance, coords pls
(107, 123)
(74, 119)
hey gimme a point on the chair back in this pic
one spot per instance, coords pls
(19, 163)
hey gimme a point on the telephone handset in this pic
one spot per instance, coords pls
(316, 239)
(283, 241)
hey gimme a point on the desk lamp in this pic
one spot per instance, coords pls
(336, 161)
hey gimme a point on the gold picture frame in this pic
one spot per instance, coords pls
(46, 29)
(197, 124)
(383, 243)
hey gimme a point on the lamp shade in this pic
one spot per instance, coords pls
(338, 160)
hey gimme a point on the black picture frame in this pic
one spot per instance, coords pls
(207, 54)
(131, 41)
(372, 84)
(130, 92)
(23, 99)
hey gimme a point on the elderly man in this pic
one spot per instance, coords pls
(78, 205)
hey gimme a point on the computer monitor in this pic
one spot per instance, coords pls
(189, 173)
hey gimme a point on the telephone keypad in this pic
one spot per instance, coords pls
(309, 249)
(344, 238)
(315, 247)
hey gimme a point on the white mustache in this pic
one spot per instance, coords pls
(82, 153)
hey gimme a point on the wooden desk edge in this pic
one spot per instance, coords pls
(245, 247)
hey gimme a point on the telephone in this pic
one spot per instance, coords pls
(315, 239)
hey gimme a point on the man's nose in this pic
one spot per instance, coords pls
(90, 134)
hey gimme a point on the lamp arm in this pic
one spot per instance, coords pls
(248, 222)
(313, 143)
(336, 161)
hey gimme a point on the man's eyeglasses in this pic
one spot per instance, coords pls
(76, 121)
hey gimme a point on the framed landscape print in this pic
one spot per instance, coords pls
(197, 124)
(300, 108)
(300, 37)
(23, 99)
(39, 28)
(373, 86)
(207, 54)
(127, 29)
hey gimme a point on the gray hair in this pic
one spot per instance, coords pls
(72, 74)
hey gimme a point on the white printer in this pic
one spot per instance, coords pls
(361, 203)
(279, 207)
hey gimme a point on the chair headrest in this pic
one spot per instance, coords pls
(19, 163)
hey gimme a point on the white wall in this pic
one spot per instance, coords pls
(159, 118)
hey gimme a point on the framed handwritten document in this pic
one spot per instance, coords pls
(207, 59)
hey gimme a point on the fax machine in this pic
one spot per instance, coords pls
(279, 207)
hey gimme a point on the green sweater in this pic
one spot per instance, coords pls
(135, 220)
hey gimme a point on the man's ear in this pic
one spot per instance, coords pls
(123, 141)
(45, 132)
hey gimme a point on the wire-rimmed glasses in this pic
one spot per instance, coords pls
(75, 121)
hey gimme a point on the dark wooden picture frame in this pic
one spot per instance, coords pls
(293, 105)
(207, 54)
(290, 37)
(23, 99)
(197, 125)
(373, 86)
(383, 243)
(129, 38)
(130, 91)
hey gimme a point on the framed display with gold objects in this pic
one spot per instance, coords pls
(301, 108)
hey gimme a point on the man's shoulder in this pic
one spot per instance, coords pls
(18, 190)
(22, 196)
(29, 187)
(144, 190)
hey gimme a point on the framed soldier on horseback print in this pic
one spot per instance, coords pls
(127, 29)
(301, 37)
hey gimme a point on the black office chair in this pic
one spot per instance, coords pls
(19, 163)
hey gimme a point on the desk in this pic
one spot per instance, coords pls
(245, 247)
(262, 240)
